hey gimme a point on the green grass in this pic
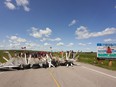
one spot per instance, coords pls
(3, 54)
(91, 59)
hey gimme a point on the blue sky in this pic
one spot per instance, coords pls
(60, 24)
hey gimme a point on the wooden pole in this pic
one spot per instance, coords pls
(110, 62)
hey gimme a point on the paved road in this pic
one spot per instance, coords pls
(82, 75)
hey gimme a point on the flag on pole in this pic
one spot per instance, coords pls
(50, 47)
(23, 47)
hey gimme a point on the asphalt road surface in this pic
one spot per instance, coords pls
(82, 75)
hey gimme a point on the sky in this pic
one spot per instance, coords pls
(57, 25)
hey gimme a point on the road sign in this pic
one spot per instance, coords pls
(106, 50)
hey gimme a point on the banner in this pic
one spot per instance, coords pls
(106, 50)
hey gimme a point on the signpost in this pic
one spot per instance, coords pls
(106, 51)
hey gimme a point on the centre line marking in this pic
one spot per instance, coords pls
(56, 82)
(99, 72)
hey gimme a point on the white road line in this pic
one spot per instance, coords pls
(100, 72)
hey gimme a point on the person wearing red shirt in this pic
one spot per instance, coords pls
(109, 50)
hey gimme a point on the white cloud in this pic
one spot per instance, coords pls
(23, 3)
(81, 44)
(44, 39)
(40, 33)
(84, 44)
(17, 39)
(83, 33)
(49, 39)
(115, 6)
(31, 44)
(14, 44)
(70, 44)
(46, 32)
(72, 22)
(8, 0)
(109, 40)
(46, 44)
(89, 43)
(60, 44)
(87, 49)
(26, 8)
(1, 46)
(56, 39)
(9, 5)
(10, 43)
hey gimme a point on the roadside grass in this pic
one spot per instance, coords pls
(90, 58)
(3, 54)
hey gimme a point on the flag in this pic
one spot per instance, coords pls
(50, 47)
(23, 47)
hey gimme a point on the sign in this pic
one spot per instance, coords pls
(106, 50)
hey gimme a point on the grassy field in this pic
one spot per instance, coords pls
(2, 53)
(91, 59)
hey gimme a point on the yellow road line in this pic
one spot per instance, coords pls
(56, 82)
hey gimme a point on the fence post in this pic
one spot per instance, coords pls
(110, 62)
